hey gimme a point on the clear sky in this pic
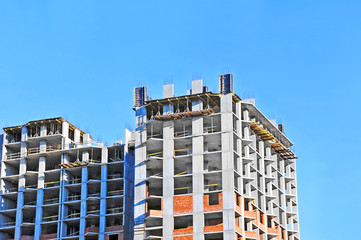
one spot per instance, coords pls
(300, 59)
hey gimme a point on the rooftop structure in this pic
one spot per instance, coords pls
(212, 166)
(57, 183)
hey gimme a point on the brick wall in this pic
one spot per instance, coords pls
(183, 204)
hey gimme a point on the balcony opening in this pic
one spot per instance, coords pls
(182, 185)
(183, 128)
(115, 154)
(213, 222)
(183, 225)
(212, 162)
(213, 182)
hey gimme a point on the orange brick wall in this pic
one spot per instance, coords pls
(208, 208)
(26, 238)
(214, 228)
(183, 238)
(48, 236)
(183, 204)
(182, 231)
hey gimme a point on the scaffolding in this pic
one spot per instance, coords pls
(283, 151)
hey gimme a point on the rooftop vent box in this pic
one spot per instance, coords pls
(226, 83)
(140, 96)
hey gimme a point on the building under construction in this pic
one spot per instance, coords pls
(199, 166)
(57, 183)
(212, 166)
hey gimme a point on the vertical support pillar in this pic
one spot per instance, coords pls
(168, 180)
(197, 165)
(128, 171)
(62, 227)
(239, 150)
(65, 133)
(227, 167)
(103, 192)
(76, 136)
(21, 187)
(40, 198)
(43, 131)
(140, 189)
(84, 195)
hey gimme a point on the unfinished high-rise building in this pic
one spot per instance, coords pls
(57, 183)
(212, 166)
(199, 166)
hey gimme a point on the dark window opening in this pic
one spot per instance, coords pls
(213, 199)
(113, 237)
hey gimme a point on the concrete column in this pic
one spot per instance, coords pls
(227, 167)
(128, 199)
(62, 227)
(103, 193)
(42, 146)
(40, 198)
(43, 131)
(2, 164)
(140, 189)
(65, 133)
(84, 195)
(197, 165)
(87, 140)
(76, 136)
(168, 93)
(168, 180)
(22, 171)
(239, 147)
(246, 115)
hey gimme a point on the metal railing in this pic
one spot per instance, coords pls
(49, 148)
(94, 195)
(50, 218)
(95, 212)
(11, 156)
(183, 133)
(10, 190)
(211, 129)
(115, 192)
(73, 215)
(52, 200)
(116, 175)
(6, 224)
(115, 210)
(73, 198)
(159, 136)
(74, 180)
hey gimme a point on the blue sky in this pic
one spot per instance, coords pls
(300, 60)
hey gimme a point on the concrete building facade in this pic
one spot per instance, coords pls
(212, 166)
(199, 166)
(57, 183)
